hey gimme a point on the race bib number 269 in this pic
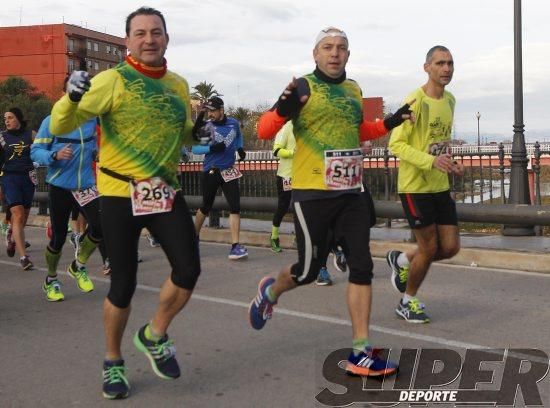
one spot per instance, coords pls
(151, 196)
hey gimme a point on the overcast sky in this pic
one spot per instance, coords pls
(250, 49)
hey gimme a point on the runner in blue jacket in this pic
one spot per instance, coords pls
(71, 179)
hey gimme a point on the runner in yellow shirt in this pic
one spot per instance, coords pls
(145, 117)
(424, 150)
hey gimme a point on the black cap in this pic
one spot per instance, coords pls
(214, 103)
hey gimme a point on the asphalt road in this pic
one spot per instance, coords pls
(51, 353)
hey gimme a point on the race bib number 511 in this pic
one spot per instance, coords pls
(343, 169)
(151, 196)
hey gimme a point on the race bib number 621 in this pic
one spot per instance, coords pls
(439, 148)
(151, 196)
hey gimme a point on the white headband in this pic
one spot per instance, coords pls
(330, 32)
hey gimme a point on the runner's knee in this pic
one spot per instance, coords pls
(121, 295)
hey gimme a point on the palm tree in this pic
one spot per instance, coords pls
(241, 114)
(204, 91)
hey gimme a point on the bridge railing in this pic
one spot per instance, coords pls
(485, 181)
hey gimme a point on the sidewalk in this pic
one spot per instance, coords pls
(478, 250)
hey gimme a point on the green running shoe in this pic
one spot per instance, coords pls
(115, 384)
(53, 291)
(81, 276)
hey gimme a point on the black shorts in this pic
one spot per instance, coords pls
(349, 219)
(211, 181)
(424, 209)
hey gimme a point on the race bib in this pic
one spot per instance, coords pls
(287, 184)
(33, 177)
(439, 148)
(151, 196)
(343, 169)
(85, 196)
(231, 173)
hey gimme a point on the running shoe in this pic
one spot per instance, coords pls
(323, 279)
(238, 252)
(368, 364)
(413, 312)
(399, 274)
(53, 291)
(275, 245)
(81, 276)
(115, 384)
(340, 261)
(261, 309)
(161, 354)
(26, 263)
(152, 241)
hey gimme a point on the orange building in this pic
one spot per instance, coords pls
(45, 54)
(373, 108)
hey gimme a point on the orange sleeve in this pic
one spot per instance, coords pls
(372, 130)
(269, 124)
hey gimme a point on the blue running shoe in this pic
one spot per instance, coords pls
(161, 354)
(238, 252)
(115, 384)
(368, 364)
(323, 279)
(261, 308)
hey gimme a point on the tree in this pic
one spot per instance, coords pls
(18, 92)
(204, 91)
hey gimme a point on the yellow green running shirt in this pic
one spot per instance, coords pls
(328, 121)
(417, 144)
(144, 123)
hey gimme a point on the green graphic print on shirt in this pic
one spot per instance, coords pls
(329, 121)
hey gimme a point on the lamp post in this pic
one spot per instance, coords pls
(519, 185)
(478, 115)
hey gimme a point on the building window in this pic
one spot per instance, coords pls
(71, 45)
(96, 47)
(89, 45)
(108, 49)
(96, 66)
(71, 65)
(89, 63)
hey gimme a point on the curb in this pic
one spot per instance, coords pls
(474, 257)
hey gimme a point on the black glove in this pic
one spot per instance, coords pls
(396, 119)
(77, 85)
(199, 123)
(217, 147)
(242, 153)
(289, 106)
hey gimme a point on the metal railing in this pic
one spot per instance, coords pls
(485, 181)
